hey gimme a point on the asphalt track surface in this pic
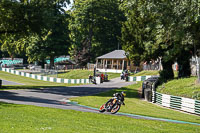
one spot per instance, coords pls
(58, 98)
(5, 82)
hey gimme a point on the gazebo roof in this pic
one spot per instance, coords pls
(116, 54)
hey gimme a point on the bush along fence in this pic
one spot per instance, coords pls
(45, 78)
(140, 78)
(175, 102)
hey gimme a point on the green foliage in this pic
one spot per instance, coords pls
(37, 29)
(137, 31)
(95, 27)
(160, 29)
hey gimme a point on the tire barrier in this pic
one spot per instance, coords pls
(45, 78)
(147, 86)
(175, 102)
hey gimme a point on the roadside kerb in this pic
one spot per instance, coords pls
(45, 78)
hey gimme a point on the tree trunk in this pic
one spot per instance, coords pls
(167, 72)
(183, 61)
(51, 62)
(25, 60)
(42, 62)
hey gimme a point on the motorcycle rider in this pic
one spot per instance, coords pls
(113, 103)
(120, 96)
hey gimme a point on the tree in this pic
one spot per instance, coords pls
(55, 43)
(98, 22)
(37, 28)
(157, 37)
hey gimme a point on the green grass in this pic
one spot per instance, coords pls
(135, 105)
(151, 72)
(144, 73)
(81, 74)
(185, 87)
(28, 82)
(32, 119)
(75, 74)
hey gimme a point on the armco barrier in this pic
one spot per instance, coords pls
(140, 78)
(45, 78)
(175, 102)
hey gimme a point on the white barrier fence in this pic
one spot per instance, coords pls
(45, 78)
(175, 102)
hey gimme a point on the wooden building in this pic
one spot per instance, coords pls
(115, 61)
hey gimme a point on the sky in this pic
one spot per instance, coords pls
(69, 7)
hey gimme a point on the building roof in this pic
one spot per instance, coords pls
(116, 54)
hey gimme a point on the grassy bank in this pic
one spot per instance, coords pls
(23, 119)
(81, 74)
(151, 72)
(28, 82)
(135, 105)
(185, 87)
(144, 73)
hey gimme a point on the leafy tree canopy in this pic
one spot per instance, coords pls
(160, 29)
(38, 28)
(97, 22)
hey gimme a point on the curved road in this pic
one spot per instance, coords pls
(55, 97)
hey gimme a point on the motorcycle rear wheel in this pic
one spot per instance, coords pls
(115, 109)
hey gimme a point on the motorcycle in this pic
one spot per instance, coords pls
(113, 105)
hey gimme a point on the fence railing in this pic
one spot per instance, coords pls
(140, 78)
(109, 66)
(175, 102)
(46, 78)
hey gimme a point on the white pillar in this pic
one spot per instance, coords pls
(106, 64)
(112, 65)
(96, 63)
(103, 63)
(117, 64)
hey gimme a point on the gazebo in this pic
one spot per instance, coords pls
(115, 61)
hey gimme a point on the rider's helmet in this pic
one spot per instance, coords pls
(123, 93)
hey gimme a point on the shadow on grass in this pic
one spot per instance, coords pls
(3, 104)
(14, 87)
(63, 72)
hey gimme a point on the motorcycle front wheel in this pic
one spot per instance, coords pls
(115, 109)
(102, 108)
